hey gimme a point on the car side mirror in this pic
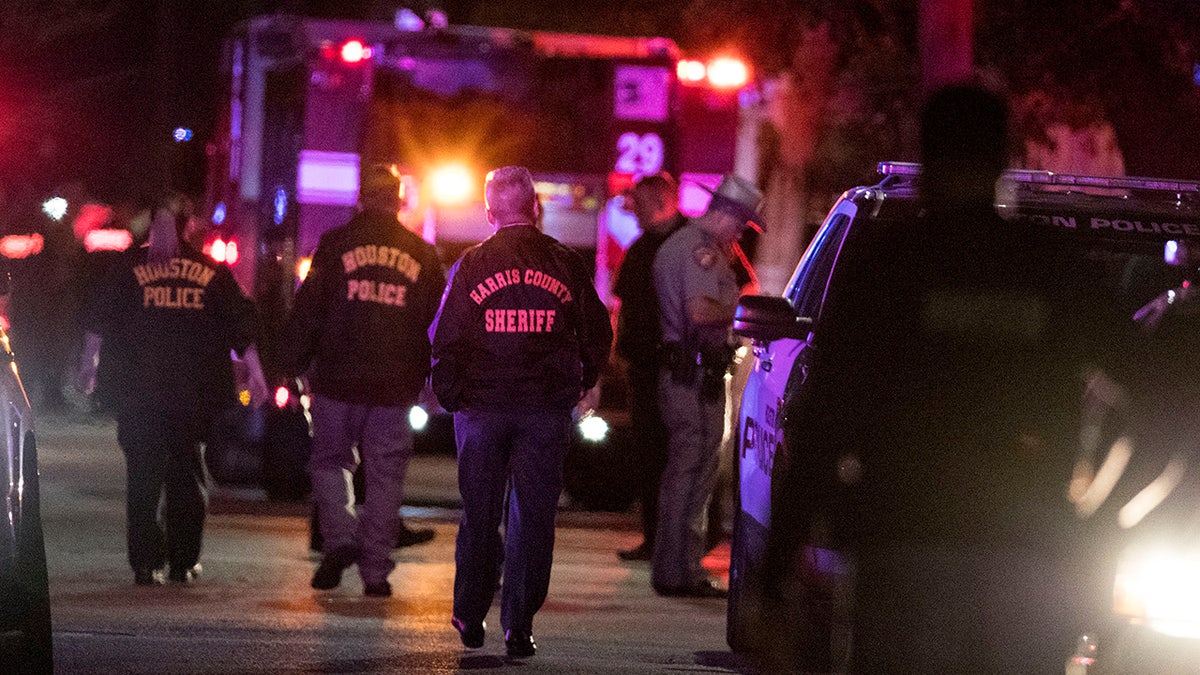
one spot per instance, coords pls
(769, 317)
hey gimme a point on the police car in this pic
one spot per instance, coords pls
(25, 639)
(1142, 499)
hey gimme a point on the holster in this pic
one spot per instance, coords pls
(703, 368)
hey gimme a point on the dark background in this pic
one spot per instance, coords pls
(91, 89)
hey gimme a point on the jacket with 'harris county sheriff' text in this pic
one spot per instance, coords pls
(360, 319)
(520, 327)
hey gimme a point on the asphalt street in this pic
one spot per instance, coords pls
(254, 612)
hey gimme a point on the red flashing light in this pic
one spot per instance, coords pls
(690, 72)
(721, 73)
(354, 51)
(17, 246)
(107, 239)
(223, 251)
(281, 397)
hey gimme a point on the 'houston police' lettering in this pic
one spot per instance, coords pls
(512, 277)
(173, 297)
(370, 255)
(368, 290)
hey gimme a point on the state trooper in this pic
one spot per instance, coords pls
(169, 317)
(359, 327)
(698, 288)
(520, 336)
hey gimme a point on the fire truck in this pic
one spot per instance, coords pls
(309, 101)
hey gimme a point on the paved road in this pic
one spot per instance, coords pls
(253, 611)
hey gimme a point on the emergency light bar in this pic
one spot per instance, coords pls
(1063, 179)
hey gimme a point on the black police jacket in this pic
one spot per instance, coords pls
(639, 332)
(520, 326)
(170, 327)
(361, 317)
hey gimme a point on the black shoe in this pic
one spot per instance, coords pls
(472, 636)
(408, 537)
(703, 589)
(379, 589)
(185, 575)
(149, 577)
(329, 572)
(643, 551)
(519, 644)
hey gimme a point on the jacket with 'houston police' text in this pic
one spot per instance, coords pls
(520, 327)
(361, 318)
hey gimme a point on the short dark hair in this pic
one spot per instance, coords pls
(510, 195)
(379, 186)
(660, 182)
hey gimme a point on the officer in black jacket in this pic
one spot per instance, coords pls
(520, 336)
(172, 317)
(654, 200)
(359, 325)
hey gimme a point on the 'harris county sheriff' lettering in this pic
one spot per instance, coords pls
(170, 296)
(512, 277)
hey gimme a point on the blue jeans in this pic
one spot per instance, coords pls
(384, 441)
(524, 454)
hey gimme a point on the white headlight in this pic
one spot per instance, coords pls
(417, 418)
(1162, 589)
(593, 428)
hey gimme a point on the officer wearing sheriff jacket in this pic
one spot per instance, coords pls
(520, 336)
(169, 317)
(698, 289)
(359, 326)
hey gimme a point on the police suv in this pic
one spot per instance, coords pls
(1127, 468)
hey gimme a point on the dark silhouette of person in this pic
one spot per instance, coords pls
(654, 200)
(947, 365)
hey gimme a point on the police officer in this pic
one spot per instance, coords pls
(520, 336)
(698, 289)
(172, 317)
(654, 200)
(360, 322)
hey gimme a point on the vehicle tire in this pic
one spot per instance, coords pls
(33, 649)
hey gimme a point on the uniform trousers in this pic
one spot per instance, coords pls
(696, 426)
(383, 439)
(166, 494)
(650, 453)
(522, 452)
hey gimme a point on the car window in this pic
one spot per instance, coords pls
(807, 288)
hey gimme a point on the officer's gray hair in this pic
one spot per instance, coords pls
(510, 196)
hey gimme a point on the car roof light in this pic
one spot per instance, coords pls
(728, 73)
(1050, 178)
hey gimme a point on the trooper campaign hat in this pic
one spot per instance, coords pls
(739, 196)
